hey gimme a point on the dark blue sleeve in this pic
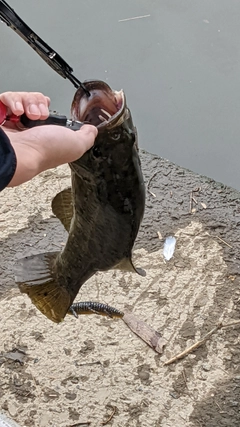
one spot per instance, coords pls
(8, 161)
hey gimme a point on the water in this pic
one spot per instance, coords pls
(180, 69)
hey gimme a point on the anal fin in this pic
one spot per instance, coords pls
(35, 276)
(62, 207)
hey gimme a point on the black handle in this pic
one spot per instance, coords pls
(53, 119)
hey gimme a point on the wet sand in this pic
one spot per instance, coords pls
(91, 368)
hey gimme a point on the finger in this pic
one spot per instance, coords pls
(36, 106)
(43, 104)
(13, 100)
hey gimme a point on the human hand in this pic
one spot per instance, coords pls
(42, 147)
(33, 104)
(45, 147)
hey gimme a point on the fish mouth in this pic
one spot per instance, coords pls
(103, 108)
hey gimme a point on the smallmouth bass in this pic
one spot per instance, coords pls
(101, 211)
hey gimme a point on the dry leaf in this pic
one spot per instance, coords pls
(145, 332)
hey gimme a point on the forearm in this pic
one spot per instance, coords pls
(28, 156)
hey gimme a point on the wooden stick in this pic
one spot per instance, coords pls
(201, 342)
(194, 346)
(87, 423)
(104, 423)
(190, 204)
(149, 182)
(227, 325)
(195, 201)
(221, 240)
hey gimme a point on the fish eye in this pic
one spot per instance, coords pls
(115, 135)
(96, 151)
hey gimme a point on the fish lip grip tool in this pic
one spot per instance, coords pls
(49, 55)
(53, 119)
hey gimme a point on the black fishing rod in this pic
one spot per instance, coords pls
(52, 58)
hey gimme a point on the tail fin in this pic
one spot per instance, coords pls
(35, 276)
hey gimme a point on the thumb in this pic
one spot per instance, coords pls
(86, 137)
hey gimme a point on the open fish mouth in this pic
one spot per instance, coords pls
(103, 108)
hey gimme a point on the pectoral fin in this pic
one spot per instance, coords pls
(62, 207)
(35, 276)
(127, 265)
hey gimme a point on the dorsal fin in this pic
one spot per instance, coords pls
(62, 207)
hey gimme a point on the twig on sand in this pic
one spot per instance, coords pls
(90, 363)
(227, 325)
(194, 346)
(149, 182)
(197, 189)
(190, 203)
(219, 407)
(184, 378)
(193, 198)
(201, 342)
(86, 424)
(223, 241)
(104, 423)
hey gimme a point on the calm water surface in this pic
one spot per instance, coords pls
(180, 69)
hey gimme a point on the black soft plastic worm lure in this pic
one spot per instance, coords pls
(90, 307)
